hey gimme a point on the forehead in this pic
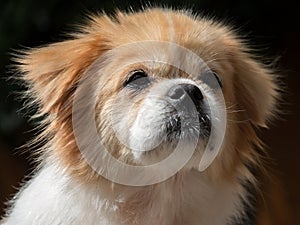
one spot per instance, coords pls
(209, 40)
(164, 25)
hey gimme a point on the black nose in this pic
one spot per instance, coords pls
(184, 93)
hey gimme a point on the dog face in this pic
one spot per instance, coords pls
(159, 100)
(156, 79)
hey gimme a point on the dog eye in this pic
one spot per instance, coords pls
(212, 79)
(138, 79)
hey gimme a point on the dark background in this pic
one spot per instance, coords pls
(272, 27)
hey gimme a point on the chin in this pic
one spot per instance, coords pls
(149, 118)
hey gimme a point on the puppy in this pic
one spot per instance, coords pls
(149, 118)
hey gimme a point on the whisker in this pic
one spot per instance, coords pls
(231, 106)
(235, 111)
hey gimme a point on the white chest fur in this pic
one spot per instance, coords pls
(52, 197)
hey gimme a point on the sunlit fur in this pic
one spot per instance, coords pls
(65, 190)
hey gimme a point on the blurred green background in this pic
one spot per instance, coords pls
(272, 27)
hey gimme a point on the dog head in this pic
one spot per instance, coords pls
(152, 81)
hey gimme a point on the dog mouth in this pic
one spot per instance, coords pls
(182, 125)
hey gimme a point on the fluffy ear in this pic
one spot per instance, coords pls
(255, 88)
(52, 72)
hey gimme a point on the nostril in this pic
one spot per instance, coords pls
(194, 92)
